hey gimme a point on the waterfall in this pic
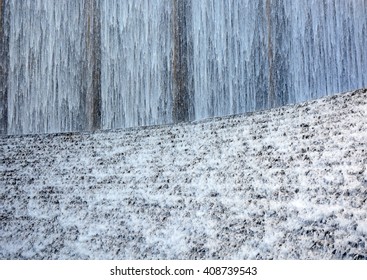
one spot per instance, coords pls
(50, 66)
(75, 65)
(264, 54)
(4, 66)
(136, 62)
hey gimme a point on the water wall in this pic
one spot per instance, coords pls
(51, 67)
(264, 54)
(100, 64)
(137, 62)
(4, 66)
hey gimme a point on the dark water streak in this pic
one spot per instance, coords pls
(4, 65)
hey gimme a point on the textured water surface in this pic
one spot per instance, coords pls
(288, 183)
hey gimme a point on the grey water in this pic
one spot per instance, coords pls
(75, 65)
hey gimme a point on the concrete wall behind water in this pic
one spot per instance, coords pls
(84, 65)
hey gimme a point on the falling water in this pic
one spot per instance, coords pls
(99, 64)
(136, 62)
(46, 66)
(252, 55)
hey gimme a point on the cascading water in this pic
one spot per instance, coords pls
(136, 63)
(4, 66)
(46, 66)
(251, 55)
(88, 64)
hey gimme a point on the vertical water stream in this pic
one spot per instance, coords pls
(68, 65)
(4, 65)
(53, 66)
(137, 50)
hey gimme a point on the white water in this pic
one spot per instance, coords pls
(136, 63)
(241, 55)
(318, 48)
(46, 53)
